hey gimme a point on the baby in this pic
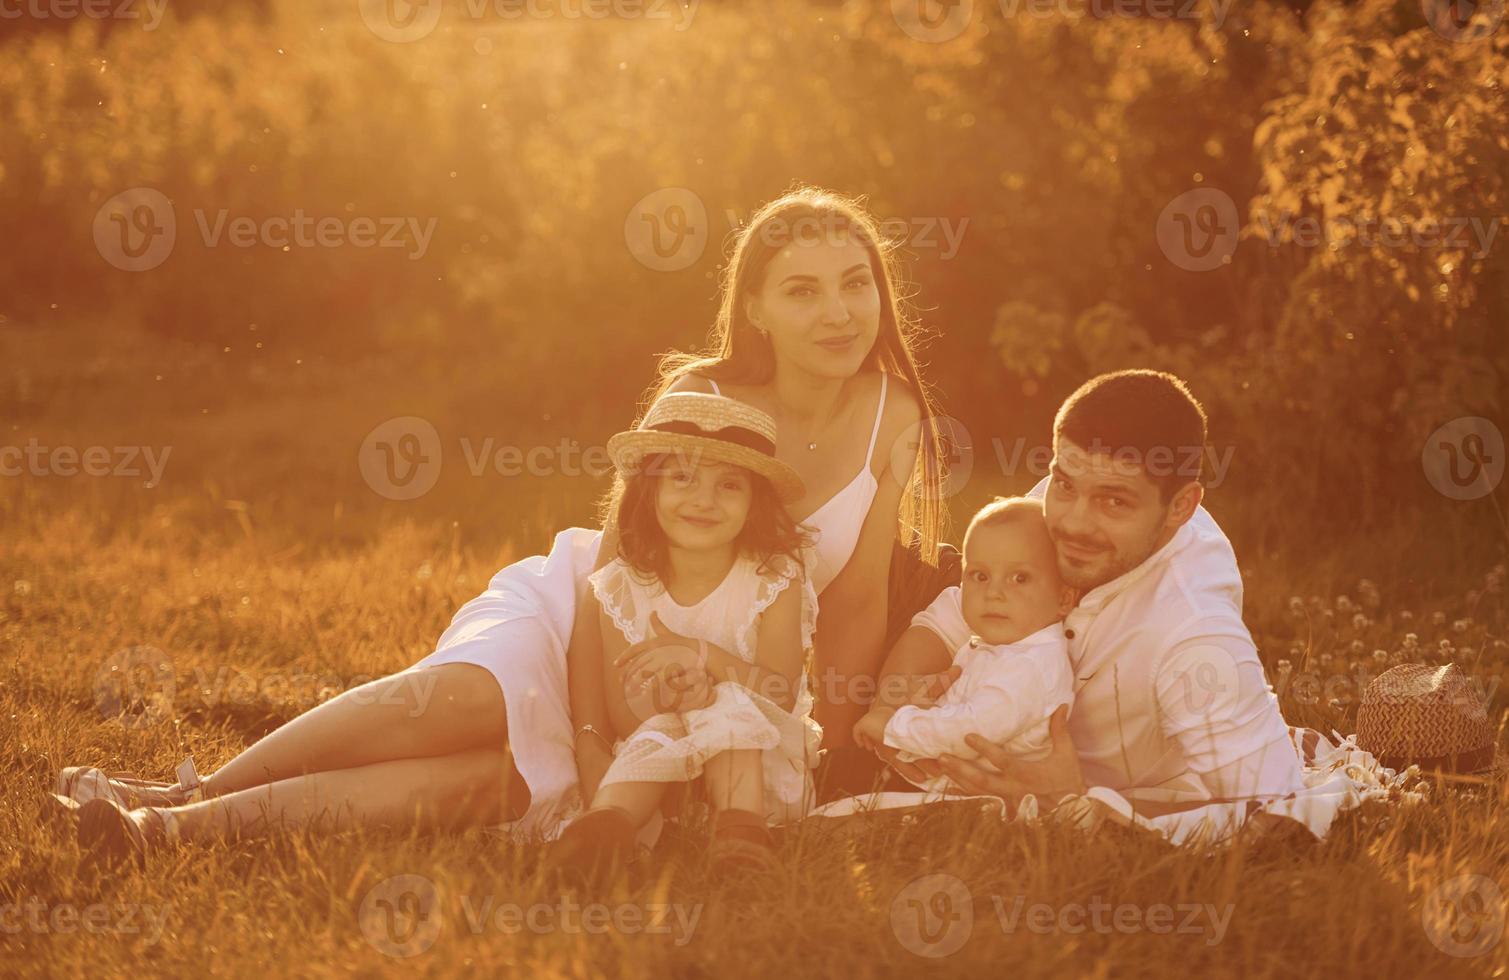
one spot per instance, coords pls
(1015, 669)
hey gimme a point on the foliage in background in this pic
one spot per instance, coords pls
(1053, 142)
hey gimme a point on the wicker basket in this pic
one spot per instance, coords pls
(1433, 717)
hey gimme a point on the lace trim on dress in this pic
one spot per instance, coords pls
(615, 593)
(776, 575)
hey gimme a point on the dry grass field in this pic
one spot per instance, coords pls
(262, 575)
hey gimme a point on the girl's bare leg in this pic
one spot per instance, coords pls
(449, 792)
(736, 780)
(640, 799)
(433, 711)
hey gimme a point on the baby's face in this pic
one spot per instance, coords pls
(1011, 587)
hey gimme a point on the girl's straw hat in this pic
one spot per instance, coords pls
(1432, 716)
(707, 428)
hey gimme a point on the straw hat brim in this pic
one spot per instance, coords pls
(628, 449)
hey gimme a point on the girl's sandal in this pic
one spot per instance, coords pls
(742, 845)
(112, 836)
(593, 848)
(84, 783)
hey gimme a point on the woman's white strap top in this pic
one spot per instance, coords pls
(838, 520)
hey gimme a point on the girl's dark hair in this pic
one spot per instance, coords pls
(768, 531)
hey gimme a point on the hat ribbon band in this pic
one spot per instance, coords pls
(735, 434)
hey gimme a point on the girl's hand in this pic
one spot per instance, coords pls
(666, 672)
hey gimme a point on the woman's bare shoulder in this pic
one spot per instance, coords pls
(691, 382)
(902, 403)
(898, 420)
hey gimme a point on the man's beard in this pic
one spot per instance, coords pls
(1115, 565)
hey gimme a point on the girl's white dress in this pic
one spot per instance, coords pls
(518, 629)
(674, 747)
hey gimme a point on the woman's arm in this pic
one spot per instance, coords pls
(586, 691)
(852, 612)
(916, 658)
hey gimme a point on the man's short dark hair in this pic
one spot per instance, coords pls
(1146, 415)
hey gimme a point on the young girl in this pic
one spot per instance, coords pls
(707, 621)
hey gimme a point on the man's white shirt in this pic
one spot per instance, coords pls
(1170, 699)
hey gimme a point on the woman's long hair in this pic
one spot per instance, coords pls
(738, 354)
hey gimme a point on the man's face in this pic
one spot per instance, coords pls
(1105, 514)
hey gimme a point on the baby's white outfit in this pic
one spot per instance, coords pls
(674, 747)
(1005, 694)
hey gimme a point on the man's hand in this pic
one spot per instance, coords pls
(1051, 779)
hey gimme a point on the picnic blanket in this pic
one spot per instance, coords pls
(1338, 776)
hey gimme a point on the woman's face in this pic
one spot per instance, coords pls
(819, 305)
